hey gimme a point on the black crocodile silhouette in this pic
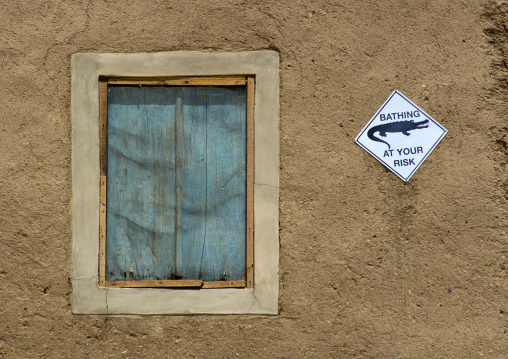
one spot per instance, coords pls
(400, 126)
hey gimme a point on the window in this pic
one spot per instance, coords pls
(176, 182)
(175, 208)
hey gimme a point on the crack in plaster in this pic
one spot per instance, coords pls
(85, 278)
(268, 185)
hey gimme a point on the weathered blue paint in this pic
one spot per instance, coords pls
(141, 182)
(176, 183)
(213, 201)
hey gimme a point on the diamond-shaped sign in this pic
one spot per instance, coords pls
(400, 135)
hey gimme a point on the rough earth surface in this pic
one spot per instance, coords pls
(370, 266)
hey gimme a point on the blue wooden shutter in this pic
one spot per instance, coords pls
(176, 183)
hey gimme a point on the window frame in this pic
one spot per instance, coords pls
(248, 81)
(90, 298)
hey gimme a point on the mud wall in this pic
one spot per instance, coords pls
(370, 266)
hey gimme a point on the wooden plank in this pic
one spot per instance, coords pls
(103, 124)
(212, 241)
(102, 232)
(103, 189)
(141, 183)
(249, 249)
(103, 135)
(154, 283)
(224, 284)
(179, 158)
(223, 255)
(181, 81)
(159, 127)
(193, 171)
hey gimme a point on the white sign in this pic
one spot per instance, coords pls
(400, 135)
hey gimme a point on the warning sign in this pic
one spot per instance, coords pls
(400, 135)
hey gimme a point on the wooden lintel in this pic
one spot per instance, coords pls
(155, 283)
(180, 81)
(224, 284)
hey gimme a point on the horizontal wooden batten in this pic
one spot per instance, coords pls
(184, 283)
(155, 283)
(224, 284)
(180, 81)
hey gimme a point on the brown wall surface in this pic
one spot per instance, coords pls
(370, 266)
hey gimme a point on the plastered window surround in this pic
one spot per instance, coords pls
(88, 296)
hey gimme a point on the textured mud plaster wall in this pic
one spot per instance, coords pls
(369, 266)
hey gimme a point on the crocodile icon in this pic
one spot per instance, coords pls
(400, 126)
